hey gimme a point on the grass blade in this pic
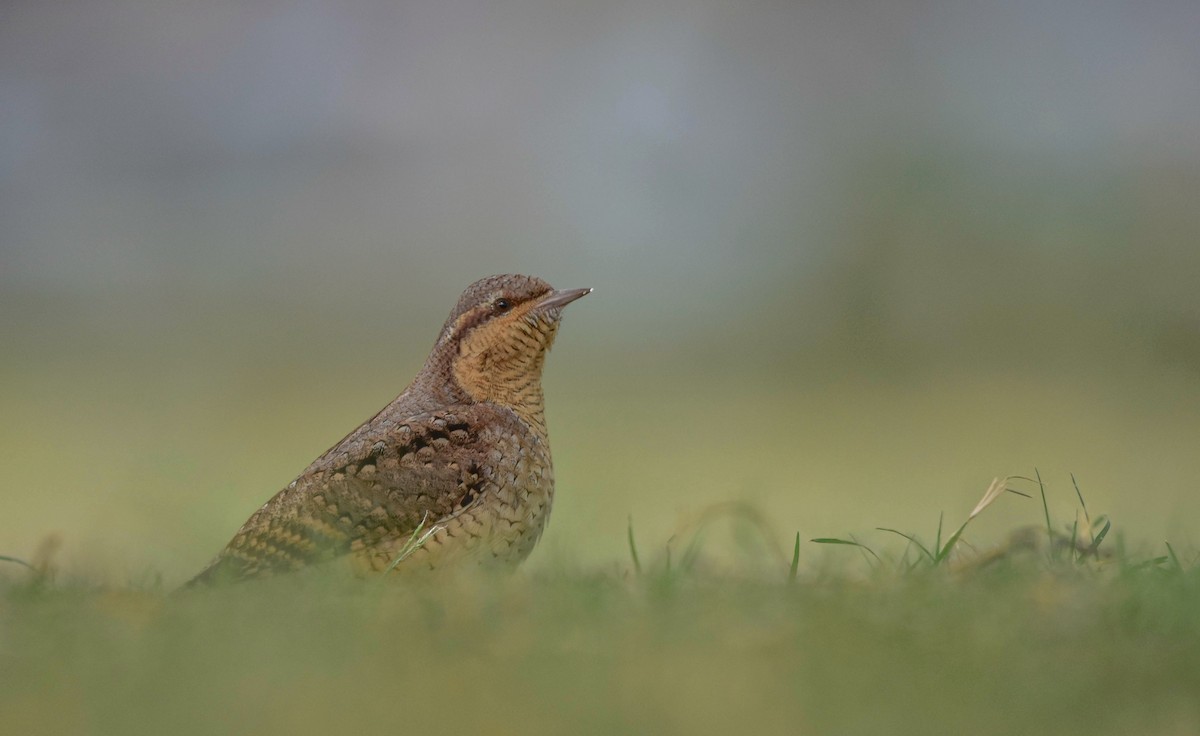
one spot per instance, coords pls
(1046, 509)
(6, 558)
(1095, 548)
(1081, 503)
(1174, 558)
(416, 540)
(944, 552)
(831, 540)
(1153, 562)
(795, 560)
(912, 539)
(637, 564)
(692, 553)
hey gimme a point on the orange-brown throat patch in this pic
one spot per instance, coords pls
(501, 360)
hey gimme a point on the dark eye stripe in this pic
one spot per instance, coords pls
(478, 315)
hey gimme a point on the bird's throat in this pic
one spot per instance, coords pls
(507, 372)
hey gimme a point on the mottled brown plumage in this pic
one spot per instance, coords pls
(462, 454)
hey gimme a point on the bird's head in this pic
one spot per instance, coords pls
(496, 339)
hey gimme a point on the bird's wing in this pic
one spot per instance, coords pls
(381, 482)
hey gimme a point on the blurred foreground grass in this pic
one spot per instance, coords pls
(1036, 641)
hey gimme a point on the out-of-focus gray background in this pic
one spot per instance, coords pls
(851, 260)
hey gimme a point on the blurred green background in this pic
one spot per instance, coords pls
(851, 260)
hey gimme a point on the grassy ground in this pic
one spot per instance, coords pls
(1078, 637)
(143, 449)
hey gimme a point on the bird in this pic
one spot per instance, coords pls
(455, 471)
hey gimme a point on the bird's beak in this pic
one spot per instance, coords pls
(561, 298)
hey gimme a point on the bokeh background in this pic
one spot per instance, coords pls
(851, 260)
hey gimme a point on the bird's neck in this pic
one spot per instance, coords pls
(500, 365)
(512, 380)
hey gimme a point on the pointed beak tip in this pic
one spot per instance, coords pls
(563, 297)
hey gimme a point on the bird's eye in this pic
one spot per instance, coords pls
(502, 305)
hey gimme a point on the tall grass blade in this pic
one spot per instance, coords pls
(1174, 558)
(995, 490)
(1046, 509)
(1081, 502)
(795, 560)
(944, 552)
(637, 564)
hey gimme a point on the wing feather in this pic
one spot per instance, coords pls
(378, 483)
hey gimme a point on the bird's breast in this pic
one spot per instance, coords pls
(499, 527)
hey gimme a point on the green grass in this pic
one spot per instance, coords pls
(1050, 636)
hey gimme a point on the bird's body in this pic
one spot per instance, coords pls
(461, 458)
